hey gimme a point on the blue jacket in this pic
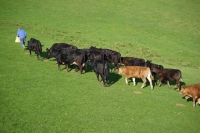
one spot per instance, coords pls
(21, 33)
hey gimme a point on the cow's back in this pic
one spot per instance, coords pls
(172, 73)
(59, 46)
(135, 71)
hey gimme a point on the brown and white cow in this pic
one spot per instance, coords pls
(136, 72)
(192, 91)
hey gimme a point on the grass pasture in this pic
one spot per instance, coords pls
(36, 97)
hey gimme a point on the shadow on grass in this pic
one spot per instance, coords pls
(113, 78)
(139, 82)
(88, 69)
(172, 83)
(190, 100)
(154, 83)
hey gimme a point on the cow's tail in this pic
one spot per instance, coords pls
(105, 72)
(151, 76)
(104, 67)
(38, 49)
(181, 79)
(120, 60)
(84, 60)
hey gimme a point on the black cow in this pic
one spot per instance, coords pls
(94, 54)
(56, 49)
(35, 45)
(114, 57)
(100, 68)
(155, 68)
(111, 56)
(70, 56)
(132, 61)
(168, 74)
(126, 59)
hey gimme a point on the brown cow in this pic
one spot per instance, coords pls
(136, 72)
(192, 91)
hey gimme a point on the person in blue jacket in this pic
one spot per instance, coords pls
(22, 35)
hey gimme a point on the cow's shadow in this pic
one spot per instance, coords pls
(190, 100)
(172, 84)
(139, 82)
(113, 78)
(154, 83)
(88, 69)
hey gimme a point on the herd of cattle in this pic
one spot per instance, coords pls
(131, 67)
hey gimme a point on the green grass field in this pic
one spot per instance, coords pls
(36, 97)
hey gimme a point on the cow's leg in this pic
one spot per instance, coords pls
(126, 80)
(84, 67)
(133, 81)
(116, 67)
(178, 85)
(77, 65)
(150, 81)
(168, 84)
(81, 69)
(67, 68)
(37, 56)
(198, 101)
(58, 65)
(97, 74)
(144, 82)
(104, 80)
(194, 101)
(100, 73)
(159, 82)
(30, 52)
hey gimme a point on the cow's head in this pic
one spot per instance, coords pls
(48, 53)
(89, 62)
(121, 70)
(183, 90)
(148, 63)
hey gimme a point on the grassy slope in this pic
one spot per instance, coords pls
(35, 97)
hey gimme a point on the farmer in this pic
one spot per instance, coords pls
(22, 35)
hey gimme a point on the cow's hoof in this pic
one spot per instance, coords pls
(106, 85)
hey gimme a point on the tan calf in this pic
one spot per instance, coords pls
(136, 72)
(192, 91)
